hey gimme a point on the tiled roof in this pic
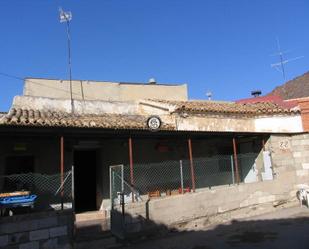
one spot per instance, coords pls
(36, 118)
(272, 99)
(207, 106)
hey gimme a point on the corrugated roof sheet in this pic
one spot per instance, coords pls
(36, 118)
(229, 107)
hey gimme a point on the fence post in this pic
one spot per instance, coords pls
(232, 168)
(181, 175)
(73, 190)
(131, 166)
(61, 168)
(122, 179)
(111, 187)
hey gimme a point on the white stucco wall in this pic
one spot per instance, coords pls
(80, 107)
(228, 123)
(103, 90)
(279, 124)
(287, 123)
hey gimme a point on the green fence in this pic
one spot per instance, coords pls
(177, 176)
(51, 193)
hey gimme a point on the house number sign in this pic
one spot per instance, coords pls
(284, 144)
(154, 123)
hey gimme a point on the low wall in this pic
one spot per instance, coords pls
(290, 161)
(46, 230)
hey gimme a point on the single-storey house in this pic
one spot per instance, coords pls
(153, 131)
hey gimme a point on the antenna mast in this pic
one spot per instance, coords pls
(66, 16)
(279, 66)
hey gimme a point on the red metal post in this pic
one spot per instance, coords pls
(191, 164)
(131, 161)
(61, 168)
(236, 161)
(131, 166)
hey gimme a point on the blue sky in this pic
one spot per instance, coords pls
(221, 45)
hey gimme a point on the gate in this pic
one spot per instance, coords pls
(117, 218)
(123, 225)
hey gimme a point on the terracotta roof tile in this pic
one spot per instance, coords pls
(229, 107)
(36, 118)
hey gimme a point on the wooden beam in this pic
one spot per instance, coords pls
(191, 164)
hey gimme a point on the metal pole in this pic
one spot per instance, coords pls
(113, 186)
(110, 188)
(73, 191)
(131, 166)
(181, 176)
(263, 144)
(122, 204)
(191, 164)
(69, 62)
(122, 179)
(236, 161)
(61, 168)
(232, 168)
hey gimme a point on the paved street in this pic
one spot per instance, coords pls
(283, 229)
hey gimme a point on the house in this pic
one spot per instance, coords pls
(163, 142)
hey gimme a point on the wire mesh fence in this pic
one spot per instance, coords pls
(176, 177)
(50, 191)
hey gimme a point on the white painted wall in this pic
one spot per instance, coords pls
(276, 124)
(103, 90)
(80, 107)
(289, 123)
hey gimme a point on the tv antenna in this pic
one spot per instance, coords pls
(209, 95)
(279, 66)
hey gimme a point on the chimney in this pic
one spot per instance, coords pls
(256, 93)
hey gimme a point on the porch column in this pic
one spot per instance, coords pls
(131, 166)
(131, 161)
(235, 161)
(61, 169)
(191, 164)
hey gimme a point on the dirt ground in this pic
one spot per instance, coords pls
(283, 229)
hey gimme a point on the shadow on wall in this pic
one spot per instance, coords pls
(284, 229)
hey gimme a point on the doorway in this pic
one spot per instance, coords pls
(85, 166)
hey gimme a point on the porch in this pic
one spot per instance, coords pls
(154, 163)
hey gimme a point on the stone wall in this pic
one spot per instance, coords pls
(47, 230)
(241, 123)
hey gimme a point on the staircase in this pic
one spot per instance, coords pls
(92, 230)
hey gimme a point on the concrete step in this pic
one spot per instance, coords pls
(91, 215)
(91, 229)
